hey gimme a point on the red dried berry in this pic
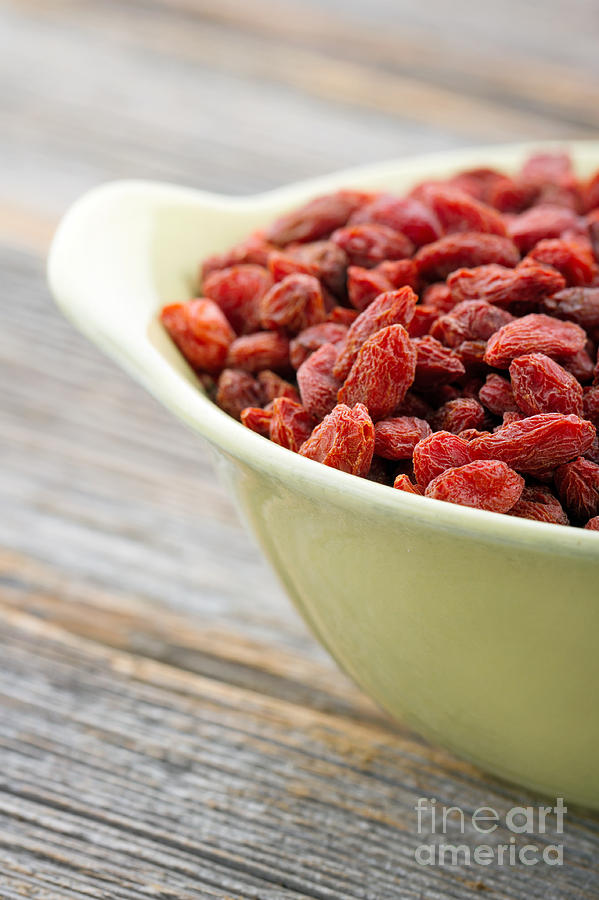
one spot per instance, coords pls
(200, 331)
(573, 258)
(484, 484)
(472, 320)
(472, 356)
(396, 438)
(312, 338)
(237, 390)
(238, 291)
(577, 304)
(540, 223)
(540, 504)
(404, 483)
(407, 215)
(497, 395)
(342, 315)
(316, 219)
(322, 259)
(390, 308)
(400, 273)
(435, 364)
(381, 373)
(318, 386)
(441, 451)
(577, 484)
(290, 424)
(274, 386)
(293, 304)
(535, 332)
(438, 297)
(344, 440)
(369, 245)
(257, 419)
(539, 385)
(254, 250)
(593, 524)
(465, 250)
(363, 285)
(526, 285)
(536, 444)
(458, 212)
(458, 415)
(260, 350)
(422, 321)
(590, 403)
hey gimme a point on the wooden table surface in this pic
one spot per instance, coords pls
(168, 727)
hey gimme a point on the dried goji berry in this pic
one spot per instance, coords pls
(369, 245)
(343, 440)
(581, 366)
(316, 219)
(253, 250)
(422, 321)
(318, 386)
(274, 386)
(400, 273)
(438, 297)
(441, 451)
(312, 338)
(526, 285)
(459, 212)
(573, 258)
(535, 332)
(484, 484)
(363, 285)
(200, 331)
(396, 438)
(238, 291)
(539, 223)
(435, 364)
(593, 524)
(577, 484)
(257, 419)
(260, 350)
(404, 483)
(577, 304)
(539, 385)
(471, 320)
(472, 356)
(536, 444)
(464, 250)
(322, 259)
(293, 304)
(407, 215)
(457, 415)
(381, 373)
(342, 315)
(389, 308)
(290, 423)
(497, 395)
(540, 504)
(237, 390)
(590, 403)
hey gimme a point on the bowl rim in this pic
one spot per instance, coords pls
(188, 401)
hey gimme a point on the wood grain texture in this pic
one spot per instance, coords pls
(168, 727)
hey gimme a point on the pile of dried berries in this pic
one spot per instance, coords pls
(444, 342)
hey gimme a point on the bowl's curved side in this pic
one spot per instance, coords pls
(486, 648)
(476, 627)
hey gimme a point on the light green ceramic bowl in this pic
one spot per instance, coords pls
(478, 629)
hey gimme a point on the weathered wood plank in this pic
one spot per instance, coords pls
(211, 785)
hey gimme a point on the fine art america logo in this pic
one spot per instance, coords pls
(545, 823)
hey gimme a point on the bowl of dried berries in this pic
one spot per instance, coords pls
(396, 367)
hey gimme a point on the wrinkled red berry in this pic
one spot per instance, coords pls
(238, 291)
(396, 438)
(484, 484)
(344, 440)
(200, 331)
(535, 332)
(290, 424)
